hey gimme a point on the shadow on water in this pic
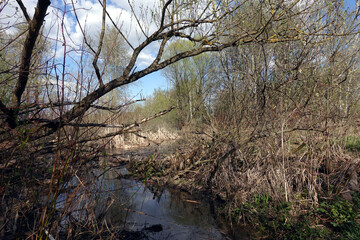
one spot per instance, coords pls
(155, 212)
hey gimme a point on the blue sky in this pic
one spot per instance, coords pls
(146, 85)
(87, 9)
(156, 80)
(350, 3)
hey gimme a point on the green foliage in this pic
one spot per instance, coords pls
(114, 53)
(274, 220)
(161, 100)
(342, 216)
(340, 212)
(10, 55)
(7, 59)
(262, 200)
(302, 230)
(352, 143)
(192, 81)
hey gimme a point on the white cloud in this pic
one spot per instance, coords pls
(89, 13)
(11, 14)
(61, 20)
(90, 16)
(145, 59)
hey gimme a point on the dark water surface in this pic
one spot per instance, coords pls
(158, 213)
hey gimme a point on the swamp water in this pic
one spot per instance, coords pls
(154, 212)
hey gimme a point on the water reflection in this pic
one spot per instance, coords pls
(137, 207)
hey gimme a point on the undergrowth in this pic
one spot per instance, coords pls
(275, 220)
(332, 219)
(282, 192)
(352, 143)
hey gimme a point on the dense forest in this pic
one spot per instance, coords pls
(262, 108)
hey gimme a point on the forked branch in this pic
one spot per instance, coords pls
(34, 28)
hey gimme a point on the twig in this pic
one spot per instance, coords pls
(23, 9)
(102, 34)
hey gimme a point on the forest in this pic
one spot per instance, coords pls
(261, 114)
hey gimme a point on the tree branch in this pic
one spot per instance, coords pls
(163, 13)
(102, 34)
(37, 107)
(160, 52)
(34, 28)
(23, 9)
(120, 32)
(13, 40)
(129, 75)
(129, 127)
(137, 19)
(81, 28)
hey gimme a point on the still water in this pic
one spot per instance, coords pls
(157, 213)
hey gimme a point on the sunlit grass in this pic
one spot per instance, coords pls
(352, 143)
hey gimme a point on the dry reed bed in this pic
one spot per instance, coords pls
(133, 140)
(299, 172)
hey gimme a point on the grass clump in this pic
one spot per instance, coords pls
(341, 217)
(352, 143)
(275, 219)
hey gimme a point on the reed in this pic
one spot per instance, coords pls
(145, 138)
(303, 169)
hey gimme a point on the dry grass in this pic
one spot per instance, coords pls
(299, 167)
(132, 140)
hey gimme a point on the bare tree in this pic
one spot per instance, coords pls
(63, 124)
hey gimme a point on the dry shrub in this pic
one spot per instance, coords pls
(296, 167)
(47, 190)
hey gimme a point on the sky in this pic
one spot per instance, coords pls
(156, 80)
(350, 3)
(121, 13)
(89, 15)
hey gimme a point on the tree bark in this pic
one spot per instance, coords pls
(34, 28)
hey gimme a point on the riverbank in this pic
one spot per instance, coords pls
(246, 192)
(146, 202)
(252, 193)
